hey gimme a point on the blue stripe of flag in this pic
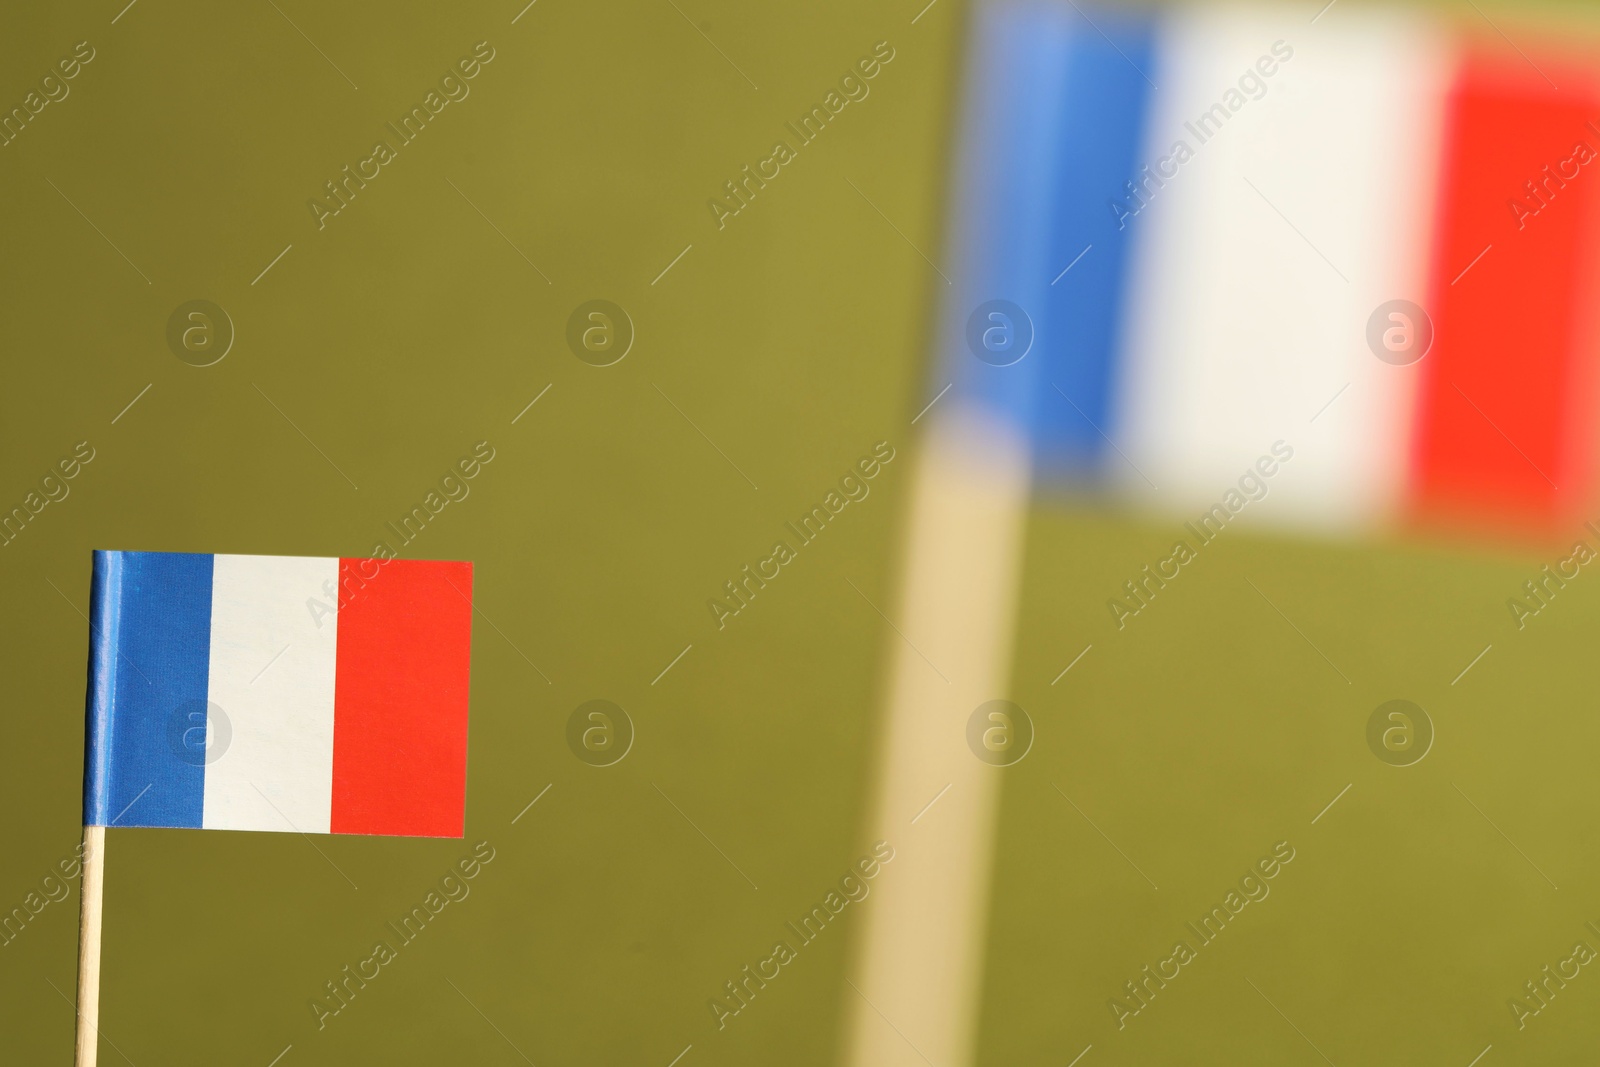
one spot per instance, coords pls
(1101, 130)
(151, 616)
(1053, 126)
(1004, 193)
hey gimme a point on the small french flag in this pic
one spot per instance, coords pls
(287, 693)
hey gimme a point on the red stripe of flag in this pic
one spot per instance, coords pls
(1505, 412)
(400, 698)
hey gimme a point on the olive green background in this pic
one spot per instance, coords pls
(411, 327)
(1210, 729)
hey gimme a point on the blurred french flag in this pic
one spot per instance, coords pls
(1337, 268)
(1370, 237)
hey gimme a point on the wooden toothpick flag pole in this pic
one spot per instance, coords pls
(318, 695)
(94, 873)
